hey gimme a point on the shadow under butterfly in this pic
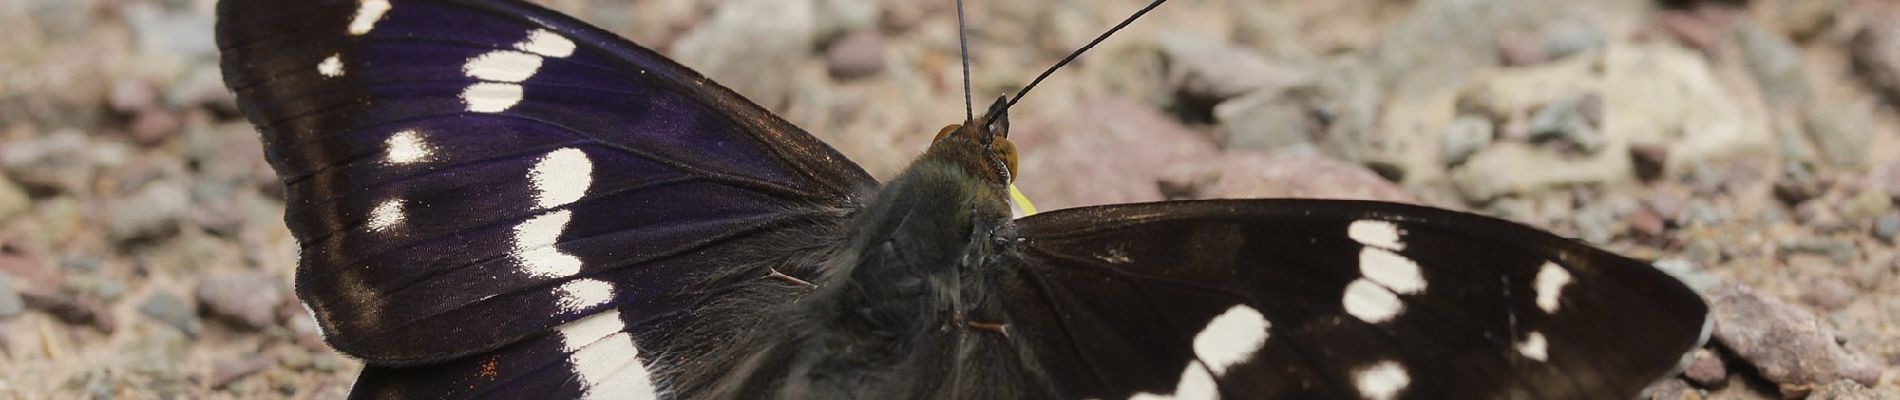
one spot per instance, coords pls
(493, 200)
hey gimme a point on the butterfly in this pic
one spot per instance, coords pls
(494, 200)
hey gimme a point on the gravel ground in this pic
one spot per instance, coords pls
(1751, 147)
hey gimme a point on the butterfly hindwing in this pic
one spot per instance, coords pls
(1338, 299)
(464, 174)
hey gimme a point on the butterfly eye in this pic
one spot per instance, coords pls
(1007, 151)
(945, 132)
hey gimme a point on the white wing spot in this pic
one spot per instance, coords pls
(605, 359)
(1195, 384)
(367, 13)
(1231, 337)
(386, 215)
(561, 177)
(406, 147)
(490, 97)
(1395, 271)
(1534, 347)
(1550, 283)
(1382, 381)
(546, 43)
(331, 66)
(1376, 233)
(502, 66)
(581, 294)
(1370, 302)
(534, 246)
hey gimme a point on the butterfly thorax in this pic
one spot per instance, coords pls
(891, 308)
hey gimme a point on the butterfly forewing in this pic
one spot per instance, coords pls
(1339, 299)
(462, 174)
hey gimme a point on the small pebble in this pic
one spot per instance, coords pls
(1464, 137)
(1798, 184)
(1887, 227)
(1570, 120)
(1706, 370)
(152, 127)
(171, 310)
(858, 54)
(1650, 160)
(248, 298)
(70, 309)
(1645, 223)
(1829, 294)
(232, 370)
(10, 302)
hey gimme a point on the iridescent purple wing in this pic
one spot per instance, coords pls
(467, 175)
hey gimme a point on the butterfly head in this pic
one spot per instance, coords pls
(982, 145)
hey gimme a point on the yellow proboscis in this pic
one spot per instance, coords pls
(1022, 202)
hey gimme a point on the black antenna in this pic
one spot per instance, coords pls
(1065, 60)
(963, 44)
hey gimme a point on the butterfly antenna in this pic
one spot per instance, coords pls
(1077, 53)
(963, 44)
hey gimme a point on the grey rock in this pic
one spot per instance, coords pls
(858, 54)
(153, 212)
(1786, 344)
(1703, 250)
(1876, 53)
(1840, 252)
(835, 17)
(1573, 120)
(1706, 369)
(13, 199)
(173, 33)
(248, 299)
(202, 86)
(1212, 71)
(52, 163)
(1465, 136)
(172, 311)
(1689, 273)
(10, 302)
(104, 288)
(1887, 227)
(1595, 224)
(1571, 37)
(1265, 120)
(1776, 66)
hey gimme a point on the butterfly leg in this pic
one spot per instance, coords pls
(790, 279)
(1001, 329)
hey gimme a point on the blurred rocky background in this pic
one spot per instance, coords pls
(1750, 147)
